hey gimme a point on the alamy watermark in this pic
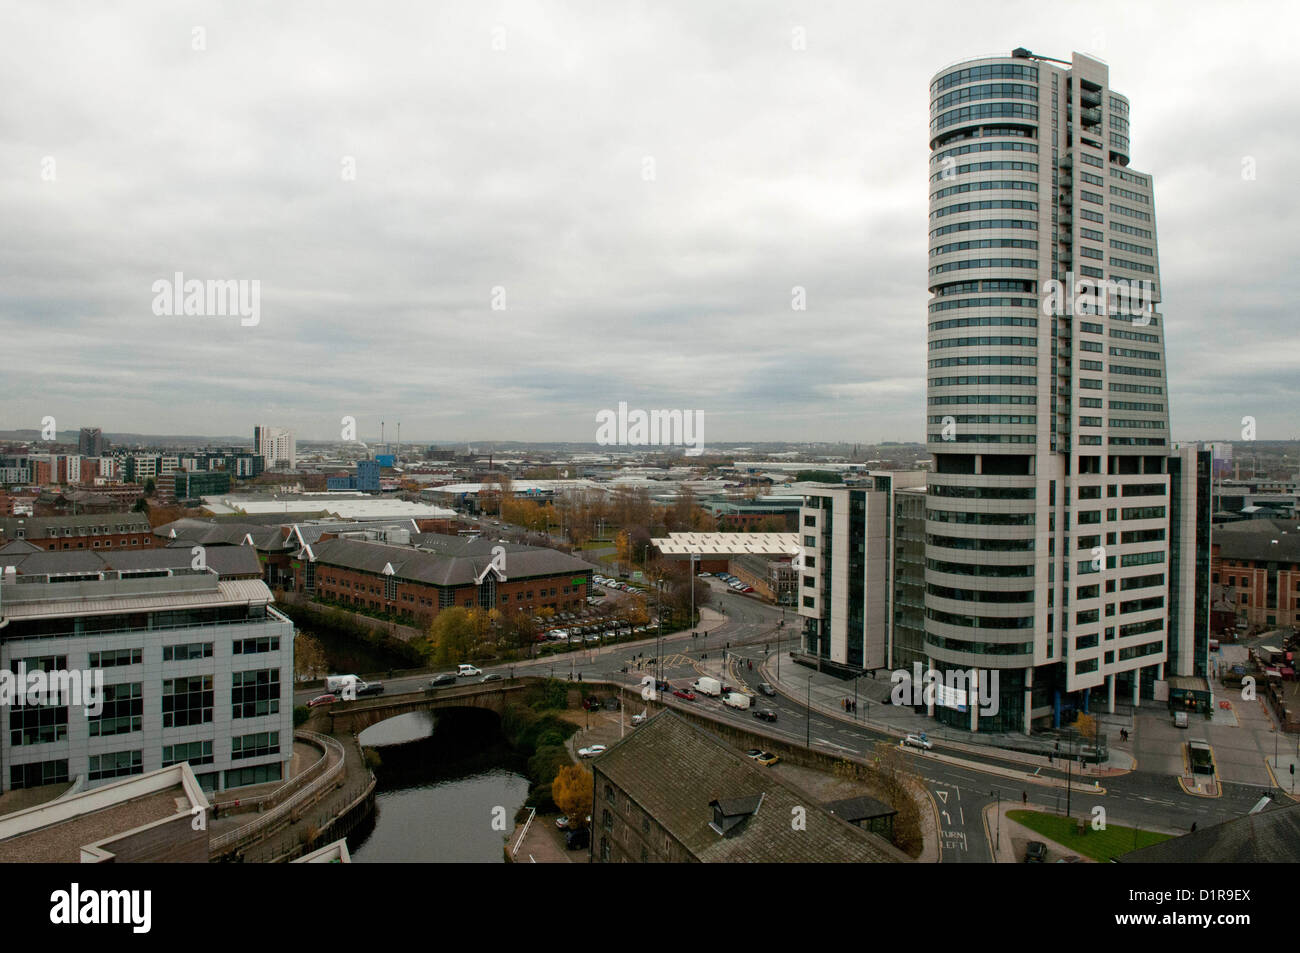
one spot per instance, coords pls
(59, 687)
(177, 297)
(652, 428)
(1112, 296)
(950, 689)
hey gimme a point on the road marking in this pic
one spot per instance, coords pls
(943, 796)
(831, 744)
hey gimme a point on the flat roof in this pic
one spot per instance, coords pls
(723, 544)
(68, 829)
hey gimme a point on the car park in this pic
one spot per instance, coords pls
(327, 699)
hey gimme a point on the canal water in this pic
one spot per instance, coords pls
(446, 782)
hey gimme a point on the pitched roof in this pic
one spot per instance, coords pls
(1255, 540)
(445, 560)
(676, 771)
(1269, 837)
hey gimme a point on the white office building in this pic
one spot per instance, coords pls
(1048, 522)
(194, 669)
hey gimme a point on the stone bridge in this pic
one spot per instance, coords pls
(361, 714)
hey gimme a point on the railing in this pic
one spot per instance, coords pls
(240, 834)
(327, 744)
(532, 812)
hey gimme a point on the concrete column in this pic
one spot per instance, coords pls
(1137, 687)
(1110, 693)
(973, 701)
(1029, 698)
(929, 702)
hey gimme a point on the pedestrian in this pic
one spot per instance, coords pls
(1024, 797)
(1193, 827)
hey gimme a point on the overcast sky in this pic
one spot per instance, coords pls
(505, 145)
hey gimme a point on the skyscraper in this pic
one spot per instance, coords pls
(1048, 510)
(276, 446)
(90, 443)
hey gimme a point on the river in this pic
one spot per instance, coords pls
(447, 786)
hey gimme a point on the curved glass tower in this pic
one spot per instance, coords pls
(1047, 511)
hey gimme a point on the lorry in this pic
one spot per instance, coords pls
(708, 686)
(737, 700)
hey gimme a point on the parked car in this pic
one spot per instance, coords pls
(577, 840)
(371, 688)
(638, 719)
(446, 678)
(592, 751)
(753, 752)
(1035, 852)
(918, 741)
(704, 574)
(325, 699)
(766, 714)
(682, 693)
(767, 758)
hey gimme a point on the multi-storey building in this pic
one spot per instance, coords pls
(431, 572)
(1260, 561)
(276, 447)
(90, 442)
(195, 668)
(847, 571)
(104, 531)
(1048, 524)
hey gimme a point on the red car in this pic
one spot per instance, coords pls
(322, 700)
(682, 693)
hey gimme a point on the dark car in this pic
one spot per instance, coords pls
(371, 688)
(577, 840)
(766, 714)
(447, 678)
(663, 686)
(766, 689)
(1035, 852)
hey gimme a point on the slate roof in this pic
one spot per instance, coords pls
(673, 770)
(1253, 539)
(1269, 837)
(446, 560)
(37, 527)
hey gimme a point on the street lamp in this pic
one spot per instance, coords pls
(998, 843)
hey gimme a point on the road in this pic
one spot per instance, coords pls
(960, 792)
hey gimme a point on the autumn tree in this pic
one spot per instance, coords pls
(1086, 725)
(571, 792)
(456, 633)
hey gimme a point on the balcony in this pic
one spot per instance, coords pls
(1090, 97)
(1066, 162)
(1090, 117)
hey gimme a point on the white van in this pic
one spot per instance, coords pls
(1180, 719)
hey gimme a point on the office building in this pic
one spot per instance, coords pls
(195, 668)
(1048, 524)
(846, 570)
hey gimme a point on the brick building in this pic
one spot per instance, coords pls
(433, 572)
(94, 531)
(1260, 561)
